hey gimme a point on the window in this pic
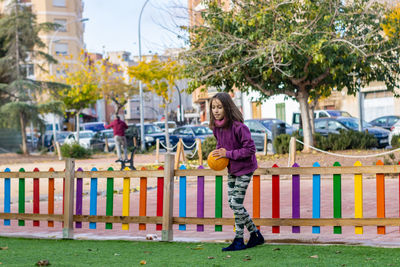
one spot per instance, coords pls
(392, 120)
(320, 124)
(60, 3)
(61, 73)
(28, 70)
(335, 126)
(63, 24)
(61, 49)
(323, 114)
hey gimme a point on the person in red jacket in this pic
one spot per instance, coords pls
(119, 128)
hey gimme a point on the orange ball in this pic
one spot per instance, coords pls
(217, 164)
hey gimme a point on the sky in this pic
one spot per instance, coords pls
(113, 25)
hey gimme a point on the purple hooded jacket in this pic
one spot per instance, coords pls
(240, 148)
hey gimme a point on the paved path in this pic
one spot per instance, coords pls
(391, 239)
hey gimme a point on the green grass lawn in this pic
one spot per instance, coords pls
(28, 252)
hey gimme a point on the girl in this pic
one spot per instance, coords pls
(234, 142)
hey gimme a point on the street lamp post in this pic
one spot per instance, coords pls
(51, 64)
(143, 147)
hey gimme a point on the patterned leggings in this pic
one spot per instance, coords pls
(237, 186)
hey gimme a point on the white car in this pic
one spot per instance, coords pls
(296, 118)
(171, 125)
(87, 140)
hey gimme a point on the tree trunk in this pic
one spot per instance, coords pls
(23, 133)
(302, 98)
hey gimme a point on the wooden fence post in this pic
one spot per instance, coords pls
(69, 198)
(199, 151)
(183, 154)
(292, 151)
(106, 148)
(157, 150)
(168, 206)
(265, 144)
(178, 154)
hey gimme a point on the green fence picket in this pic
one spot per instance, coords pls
(218, 201)
(21, 197)
(110, 198)
(337, 198)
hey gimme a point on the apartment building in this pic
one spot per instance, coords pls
(64, 44)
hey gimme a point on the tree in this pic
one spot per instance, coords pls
(303, 49)
(20, 43)
(113, 86)
(23, 112)
(82, 88)
(160, 77)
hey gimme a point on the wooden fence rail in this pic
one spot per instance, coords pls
(164, 219)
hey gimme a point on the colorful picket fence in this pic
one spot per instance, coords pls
(73, 210)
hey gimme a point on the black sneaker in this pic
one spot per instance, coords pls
(256, 238)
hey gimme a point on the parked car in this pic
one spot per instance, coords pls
(394, 130)
(189, 134)
(109, 134)
(386, 122)
(131, 133)
(49, 137)
(330, 113)
(171, 125)
(92, 126)
(32, 141)
(151, 134)
(258, 131)
(296, 116)
(324, 126)
(87, 139)
(258, 128)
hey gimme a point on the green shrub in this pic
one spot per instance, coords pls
(395, 141)
(281, 142)
(208, 145)
(75, 151)
(344, 140)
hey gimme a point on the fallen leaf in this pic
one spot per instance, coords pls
(143, 262)
(276, 249)
(210, 258)
(147, 252)
(43, 263)
(3, 248)
(314, 256)
(248, 258)
(197, 248)
(337, 252)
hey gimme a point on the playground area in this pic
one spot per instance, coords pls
(191, 232)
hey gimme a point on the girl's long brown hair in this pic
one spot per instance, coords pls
(232, 113)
